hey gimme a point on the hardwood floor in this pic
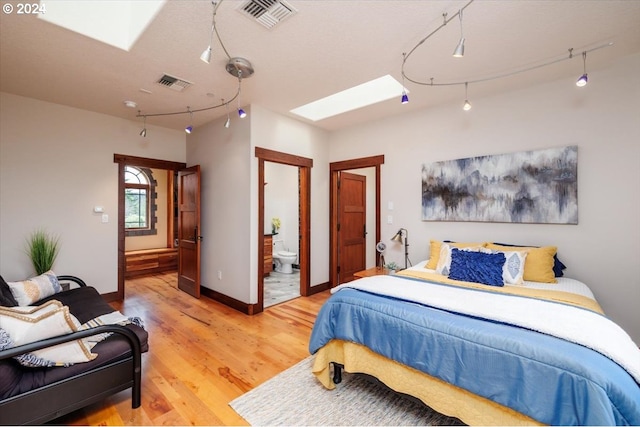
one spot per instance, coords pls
(202, 355)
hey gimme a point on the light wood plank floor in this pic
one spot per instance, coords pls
(202, 355)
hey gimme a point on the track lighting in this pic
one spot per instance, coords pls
(459, 51)
(189, 128)
(512, 71)
(206, 55)
(143, 132)
(241, 112)
(405, 97)
(467, 104)
(227, 123)
(582, 81)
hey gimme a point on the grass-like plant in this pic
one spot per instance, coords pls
(43, 249)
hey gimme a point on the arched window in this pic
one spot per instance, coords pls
(139, 201)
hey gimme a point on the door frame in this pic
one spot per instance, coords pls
(334, 169)
(124, 160)
(304, 166)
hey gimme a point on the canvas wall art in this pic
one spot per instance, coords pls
(538, 186)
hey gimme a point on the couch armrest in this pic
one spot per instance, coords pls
(75, 279)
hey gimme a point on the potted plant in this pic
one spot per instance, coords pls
(275, 225)
(392, 267)
(42, 248)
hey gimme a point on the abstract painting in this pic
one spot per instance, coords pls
(539, 187)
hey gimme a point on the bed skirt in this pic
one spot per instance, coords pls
(435, 393)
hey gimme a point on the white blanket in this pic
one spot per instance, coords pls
(571, 323)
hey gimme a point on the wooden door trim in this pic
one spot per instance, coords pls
(334, 169)
(126, 160)
(304, 172)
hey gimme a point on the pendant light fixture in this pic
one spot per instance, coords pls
(227, 123)
(241, 112)
(189, 128)
(143, 132)
(582, 81)
(206, 54)
(467, 104)
(405, 97)
(459, 51)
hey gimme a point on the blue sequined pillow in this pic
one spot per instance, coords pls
(477, 267)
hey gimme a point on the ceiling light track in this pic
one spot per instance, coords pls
(459, 53)
(236, 66)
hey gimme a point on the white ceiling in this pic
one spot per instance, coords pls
(327, 46)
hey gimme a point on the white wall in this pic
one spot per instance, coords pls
(602, 119)
(225, 161)
(230, 196)
(56, 164)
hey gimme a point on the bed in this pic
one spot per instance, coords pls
(511, 354)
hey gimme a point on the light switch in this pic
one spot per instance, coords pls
(390, 206)
(105, 218)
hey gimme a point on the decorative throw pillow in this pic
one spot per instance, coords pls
(435, 247)
(539, 264)
(558, 266)
(444, 260)
(6, 296)
(513, 269)
(34, 323)
(477, 267)
(33, 290)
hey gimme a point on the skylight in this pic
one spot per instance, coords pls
(118, 23)
(371, 92)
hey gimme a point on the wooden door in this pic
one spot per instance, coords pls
(189, 230)
(352, 213)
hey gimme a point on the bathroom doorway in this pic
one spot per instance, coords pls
(282, 232)
(303, 166)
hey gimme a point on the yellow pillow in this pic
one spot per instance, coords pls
(434, 251)
(538, 266)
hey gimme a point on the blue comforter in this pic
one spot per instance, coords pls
(549, 379)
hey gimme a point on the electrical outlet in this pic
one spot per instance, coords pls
(105, 218)
(389, 219)
(219, 274)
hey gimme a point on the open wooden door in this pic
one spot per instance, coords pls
(189, 230)
(352, 233)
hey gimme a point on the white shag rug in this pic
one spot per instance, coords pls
(295, 397)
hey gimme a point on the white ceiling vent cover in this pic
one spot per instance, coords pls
(268, 13)
(174, 83)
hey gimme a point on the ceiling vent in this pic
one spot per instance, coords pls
(268, 13)
(173, 83)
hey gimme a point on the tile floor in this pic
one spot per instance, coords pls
(280, 287)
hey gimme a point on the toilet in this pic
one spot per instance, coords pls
(284, 261)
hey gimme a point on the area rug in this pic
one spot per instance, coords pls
(295, 397)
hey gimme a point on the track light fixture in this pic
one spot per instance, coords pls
(237, 67)
(143, 132)
(189, 128)
(227, 123)
(459, 51)
(467, 104)
(405, 97)
(582, 81)
(206, 54)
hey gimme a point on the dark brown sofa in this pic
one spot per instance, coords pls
(37, 395)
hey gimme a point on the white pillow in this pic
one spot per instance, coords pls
(513, 269)
(34, 323)
(33, 290)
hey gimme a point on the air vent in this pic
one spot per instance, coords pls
(174, 83)
(268, 13)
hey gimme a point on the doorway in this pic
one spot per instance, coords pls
(304, 166)
(334, 220)
(123, 161)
